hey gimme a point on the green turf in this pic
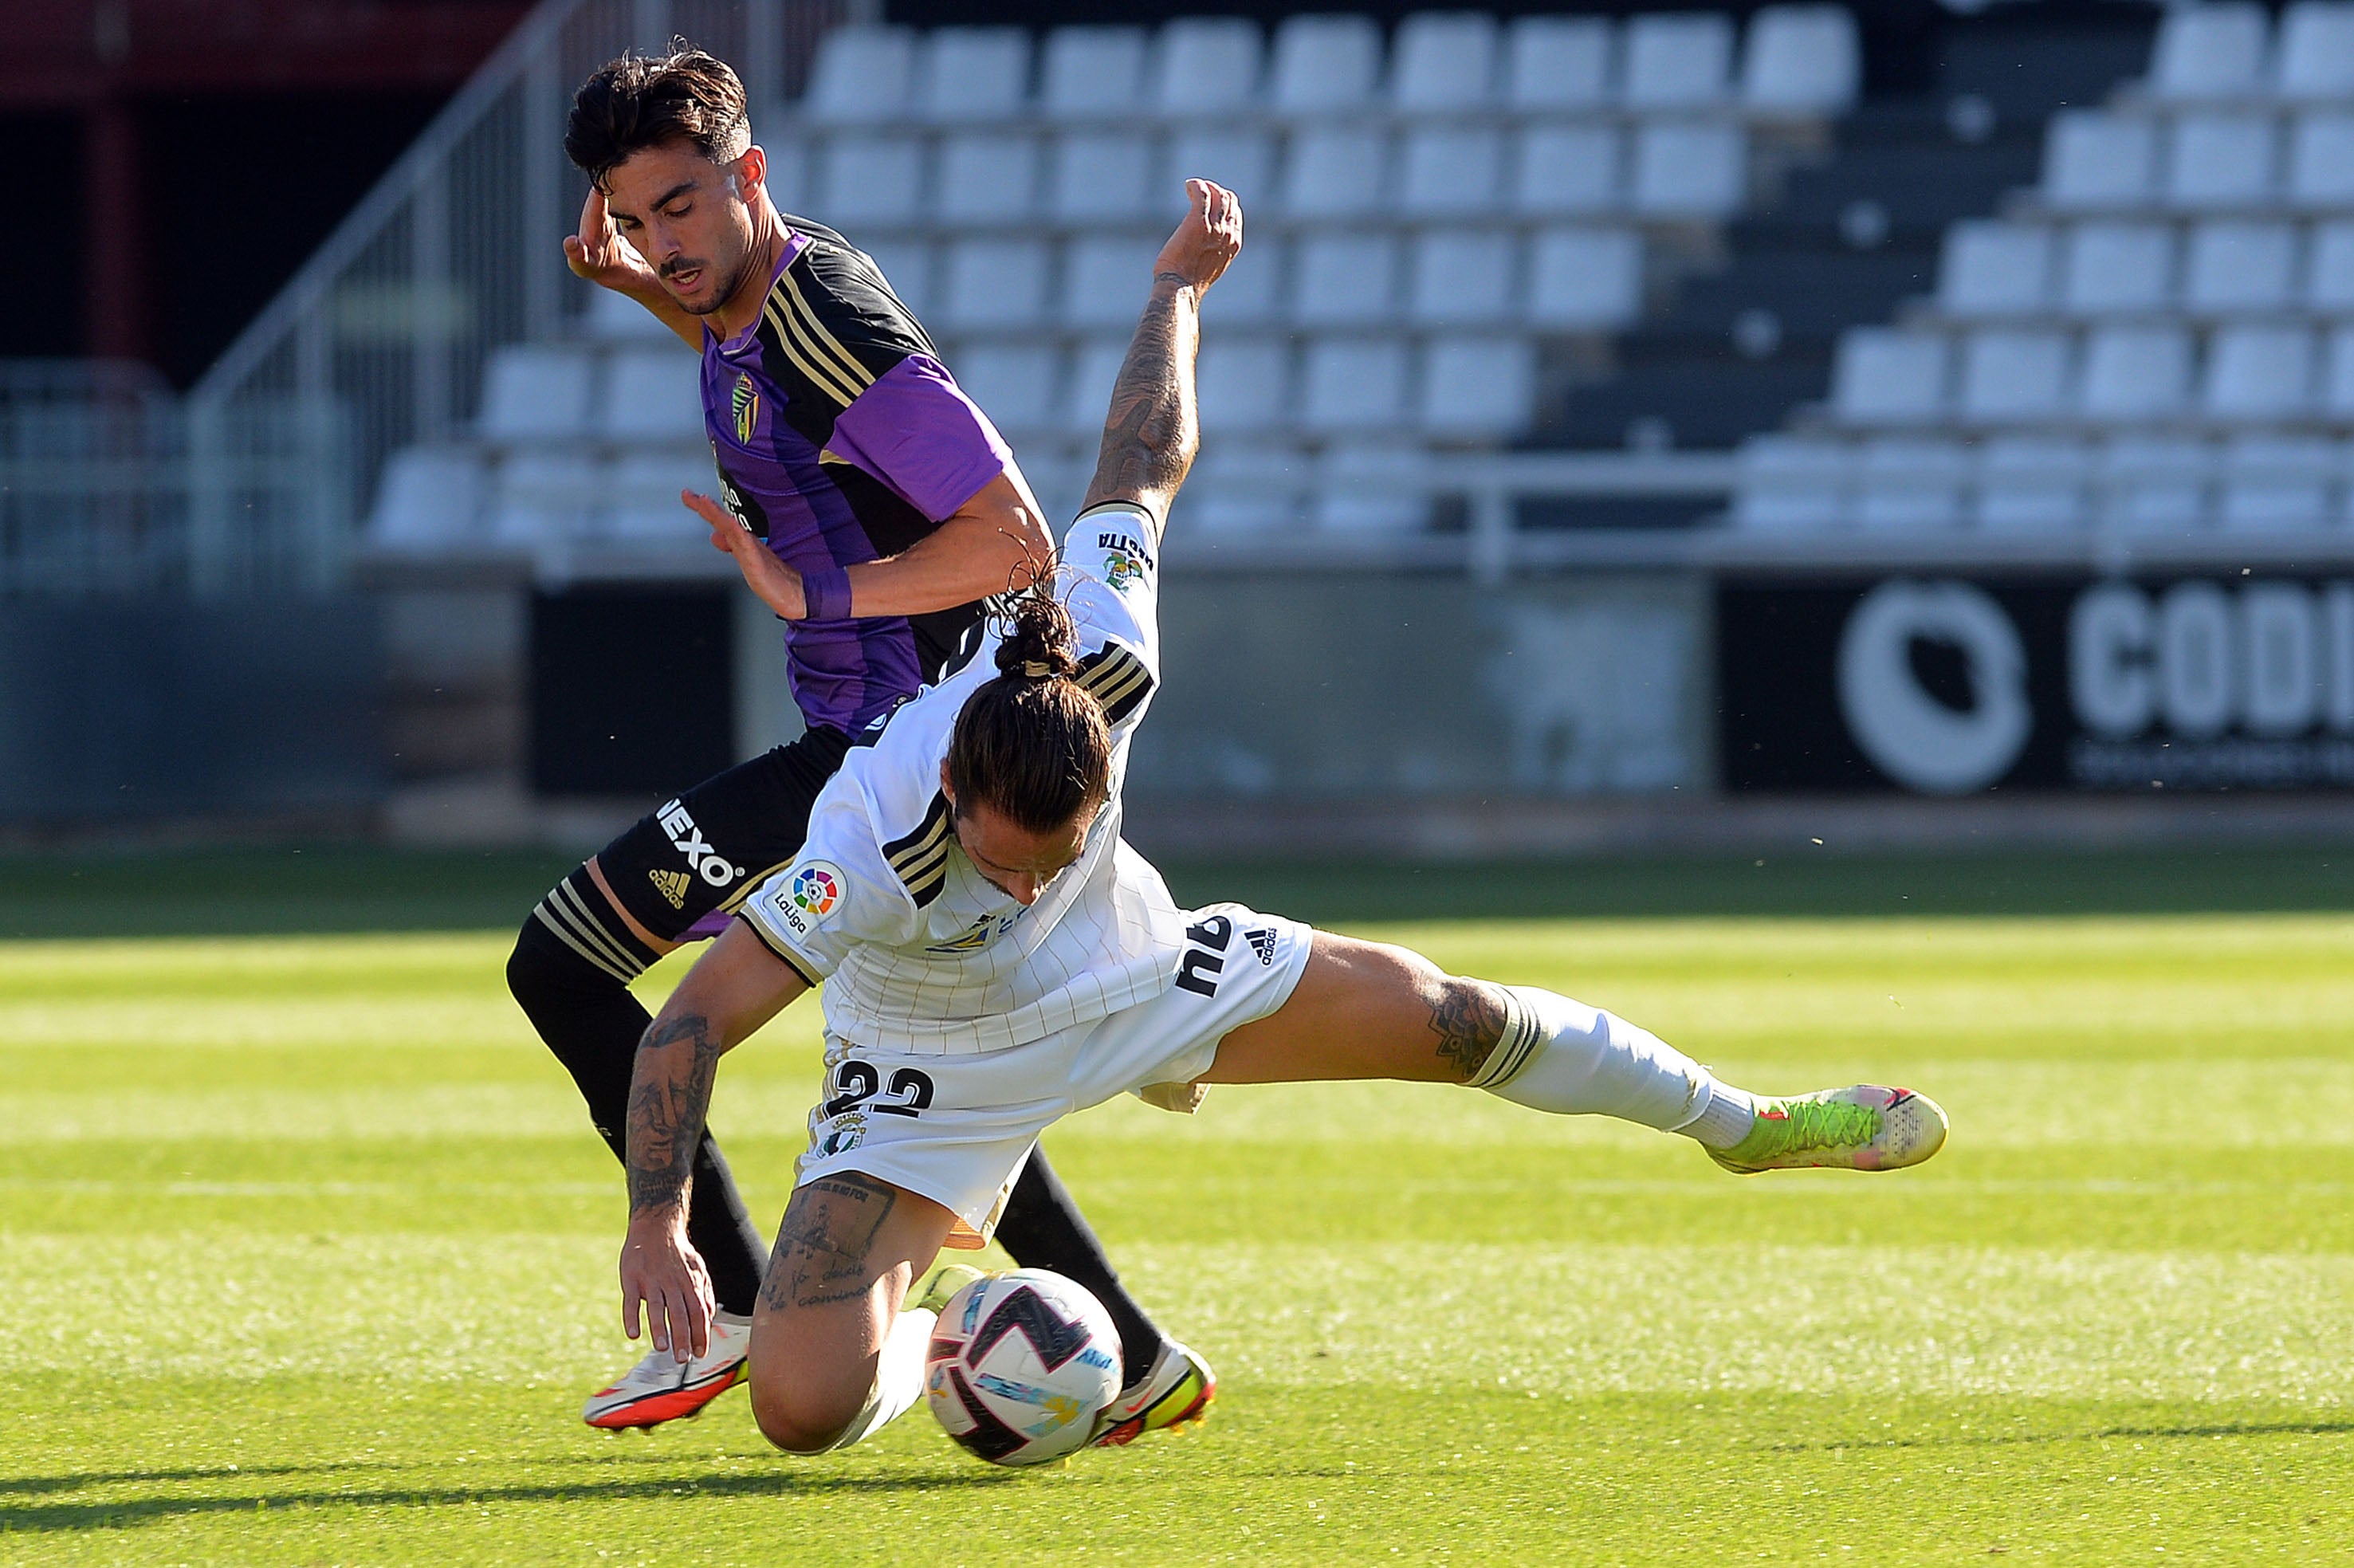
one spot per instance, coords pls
(309, 1259)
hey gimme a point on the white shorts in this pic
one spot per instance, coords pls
(957, 1130)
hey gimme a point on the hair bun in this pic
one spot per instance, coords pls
(1041, 640)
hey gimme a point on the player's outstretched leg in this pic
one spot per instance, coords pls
(1362, 1010)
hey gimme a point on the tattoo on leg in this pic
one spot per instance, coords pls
(1468, 1019)
(666, 1111)
(823, 1245)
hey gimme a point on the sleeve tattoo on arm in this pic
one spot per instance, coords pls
(824, 1244)
(668, 1101)
(1150, 435)
(1468, 1019)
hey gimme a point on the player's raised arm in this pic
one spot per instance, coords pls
(1152, 432)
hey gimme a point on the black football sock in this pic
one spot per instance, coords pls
(1043, 1228)
(566, 973)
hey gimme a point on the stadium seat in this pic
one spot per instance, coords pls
(652, 393)
(1442, 61)
(790, 178)
(1479, 388)
(1244, 385)
(2112, 268)
(1104, 280)
(2329, 268)
(2153, 484)
(1689, 169)
(869, 179)
(2209, 51)
(1451, 171)
(2259, 372)
(2337, 375)
(2217, 160)
(1567, 170)
(1333, 172)
(1909, 482)
(1093, 73)
(1238, 158)
(1205, 65)
(1791, 483)
(1461, 277)
(616, 318)
(2092, 160)
(542, 497)
(2030, 484)
(986, 177)
(1994, 269)
(994, 283)
(1557, 62)
(2012, 375)
(972, 73)
(1245, 487)
(1882, 376)
(1801, 60)
(1254, 289)
(1102, 175)
(1352, 383)
(1585, 279)
(1324, 63)
(536, 391)
(642, 503)
(1086, 391)
(2273, 483)
(2240, 266)
(1676, 61)
(2321, 159)
(1371, 487)
(861, 75)
(430, 499)
(2135, 372)
(906, 267)
(1015, 384)
(2314, 58)
(1345, 280)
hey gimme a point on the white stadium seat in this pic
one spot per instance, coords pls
(1353, 384)
(2329, 268)
(861, 75)
(2094, 160)
(2135, 372)
(1244, 385)
(1907, 483)
(1371, 487)
(643, 497)
(1105, 277)
(1791, 483)
(534, 391)
(1689, 169)
(1994, 269)
(1882, 376)
(616, 318)
(1567, 170)
(2108, 269)
(1324, 63)
(1345, 280)
(1014, 383)
(2321, 159)
(1558, 62)
(1205, 65)
(906, 267)
(2240, 266)
(1245, 487)
(2259, 372)
(986, 177)
(2337, 375)
(1676, 61)
(788, 176)
(865, 179)
(1585, 279)
(1102, 174)
(2273, 482)
(1451, 171)
(2221, 160)
(972, 73)
(1478, 388)
(1443, 60)
(1334, 172)
(1238, 158)
(2314, 58)
(1801, 60)
(1461, 277)
(1254, 289)
(544, 497)
(1093, 73)
(652, 393)
(2209, 51)
(429, 498)
(2030, 484)
(2011, 375)
(994, 283)
(2152, 485)
(1086, 393)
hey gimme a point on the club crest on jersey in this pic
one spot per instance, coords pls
(1125, 561)
(688, 839)
(744, 402)
(817, 888)
(983, 932)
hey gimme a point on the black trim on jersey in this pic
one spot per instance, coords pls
(1117, 679)
(792, 960)
(921, 859)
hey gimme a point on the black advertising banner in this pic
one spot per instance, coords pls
(1949, 684)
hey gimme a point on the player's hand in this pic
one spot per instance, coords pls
(661, 1268)
(1208, 240)
(775, 584)
(600, 254)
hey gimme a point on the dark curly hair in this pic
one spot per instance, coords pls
(639, 102)
(1033, 744)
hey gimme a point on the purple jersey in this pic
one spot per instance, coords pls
(840, 438)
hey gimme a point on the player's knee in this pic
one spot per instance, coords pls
(1467, 1016)
(573, 950)
(797, 1419)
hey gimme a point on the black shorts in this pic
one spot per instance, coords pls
(694, 859)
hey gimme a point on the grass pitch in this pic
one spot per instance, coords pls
(309, 1256)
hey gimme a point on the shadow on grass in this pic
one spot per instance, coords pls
(2025, 1440)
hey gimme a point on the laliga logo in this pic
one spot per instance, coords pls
(1907, 732)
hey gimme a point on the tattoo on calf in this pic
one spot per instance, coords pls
(666, 1110)
(825, 1242)
(1468, 1019)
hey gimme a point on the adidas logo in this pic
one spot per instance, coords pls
(1263, 944)
(671, 884)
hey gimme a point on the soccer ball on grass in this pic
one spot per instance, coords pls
(1020, 1365)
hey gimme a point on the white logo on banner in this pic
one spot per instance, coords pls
(1907, 732)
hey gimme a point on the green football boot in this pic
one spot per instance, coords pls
(1866, 1127)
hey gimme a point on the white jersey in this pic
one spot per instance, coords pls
(919, 951)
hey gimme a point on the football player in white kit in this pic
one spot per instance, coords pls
(995, 958)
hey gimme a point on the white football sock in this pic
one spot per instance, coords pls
(1566, 1057)
(899, 1377)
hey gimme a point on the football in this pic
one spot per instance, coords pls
(1020, 1365)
